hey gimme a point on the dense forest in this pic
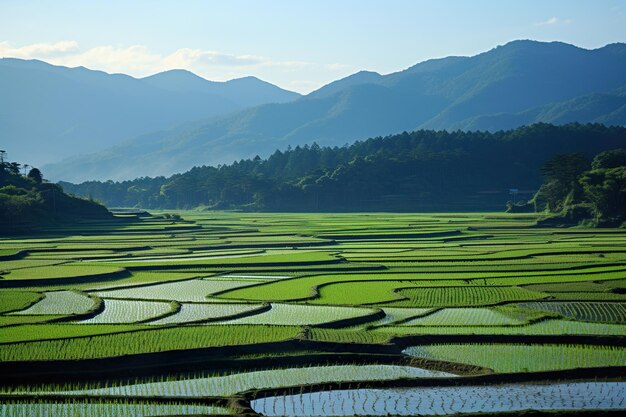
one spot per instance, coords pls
(577, 190)
(423, 170)
(27, 201)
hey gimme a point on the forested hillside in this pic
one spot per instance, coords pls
(423, 170)
(26, 202)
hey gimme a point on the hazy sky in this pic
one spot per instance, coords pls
(299, 45)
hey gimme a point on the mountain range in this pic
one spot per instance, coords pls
(519, 83)
(49, 112)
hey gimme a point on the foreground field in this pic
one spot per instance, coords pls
(311, 314)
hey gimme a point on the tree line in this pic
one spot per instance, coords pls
(423, 170)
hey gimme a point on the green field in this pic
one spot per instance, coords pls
(224, 304)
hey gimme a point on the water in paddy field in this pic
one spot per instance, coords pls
(447, 400)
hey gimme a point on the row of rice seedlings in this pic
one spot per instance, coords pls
(60, 303)
(130, 311)
(359, 293)
(187, 255)
(140, 278)
(28, 332)
(546, 327)
(12, 320)
(609, 274)
(99, 408)
(11, 300)
(465, 317)
(83, 255)
(523, 358)
(590, 296)
(227, 385)
(302, 287)
(603, 312)
(446, 400)
(292, 289)
(519, 267)
(299, 257)
(462, 296)
(398, 314)
(255, 277)
(141, 341)
(201, 312)
(347, 336)
(192, 290)
(583, 286)
(60, 271)
(28, 262)
(298, 314)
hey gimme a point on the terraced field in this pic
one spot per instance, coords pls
(311, 314)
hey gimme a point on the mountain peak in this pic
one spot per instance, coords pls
(177, 80)
(358, 78)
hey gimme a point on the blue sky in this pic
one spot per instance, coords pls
(299, 45)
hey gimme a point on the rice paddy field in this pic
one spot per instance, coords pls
(225, 313)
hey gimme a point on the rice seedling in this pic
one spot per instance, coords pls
(446, 400)
(227, 385)
(116, 408)
(296, 314)
(523, 358)
(586, 311)
(201, 312)
(195, 290)
(17, 300)
(60, 303)
(464, 317)
(130, 311)
(137, 341)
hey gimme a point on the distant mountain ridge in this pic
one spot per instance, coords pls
(606, 108)
(503, 88)
(50, 112)
(244, 92)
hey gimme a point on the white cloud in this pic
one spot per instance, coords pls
(39, 50)
(554, 21)
(186, 57)
(140, 61)
(134, 60)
